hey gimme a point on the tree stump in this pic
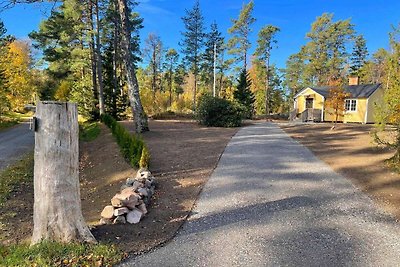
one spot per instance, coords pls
(57, 208)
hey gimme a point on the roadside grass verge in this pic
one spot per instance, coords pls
(7, 123)
(88, 131)
(57, 254)
(15, 175)
(11, 118)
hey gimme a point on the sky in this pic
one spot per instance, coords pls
(372, 18)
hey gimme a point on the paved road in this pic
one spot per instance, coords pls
(271, 202)
(14, 142)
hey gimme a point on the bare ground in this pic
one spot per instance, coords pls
(350, 151)
(183, 157)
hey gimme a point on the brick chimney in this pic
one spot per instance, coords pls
(354, 80)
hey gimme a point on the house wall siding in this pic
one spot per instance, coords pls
(359, 114)
(301, 100)
(376, 99)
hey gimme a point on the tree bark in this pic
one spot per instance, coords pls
(267, 89)
(99, 63)
(57, 214)
(93, 56)
(140, 118)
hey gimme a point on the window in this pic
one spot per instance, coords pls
(351, 105)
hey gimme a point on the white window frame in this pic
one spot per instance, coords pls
(351, 100)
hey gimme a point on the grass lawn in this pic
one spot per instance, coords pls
(56, 254)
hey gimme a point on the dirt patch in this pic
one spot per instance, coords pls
(183, 157)
(350, 151)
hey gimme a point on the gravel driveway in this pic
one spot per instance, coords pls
(271, 202)
(14, 142)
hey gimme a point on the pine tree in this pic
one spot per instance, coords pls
(171, 61)
(193, 42)
(154, 52)
(239, 44)
(359, 55)
(213, 38)
(266, 39)
(243, 94)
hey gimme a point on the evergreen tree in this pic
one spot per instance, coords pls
(154, 52)
(213, 38)
(171, 61)
(243, 94)
(266, 39)
(239, 44)
(359, 55)
(193, 42)
(295, 79)
(326, 52)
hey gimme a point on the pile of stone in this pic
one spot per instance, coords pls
(130, 204)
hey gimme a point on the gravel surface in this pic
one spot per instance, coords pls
(14, 142)
(271, 202)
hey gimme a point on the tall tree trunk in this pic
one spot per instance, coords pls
(194, 91)
(57, 214)
(154, 70)
(99, 61)
(245, 60)
(93, 56)
(141, 124)
(267, 88)
(170, 85)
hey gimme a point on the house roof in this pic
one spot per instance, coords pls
(356, 91)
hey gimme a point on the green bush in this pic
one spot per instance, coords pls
(145, 158)
(217, 112)
(131, 145)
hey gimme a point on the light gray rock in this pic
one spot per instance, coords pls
(134, 216)
(121, 211)
(143, 191)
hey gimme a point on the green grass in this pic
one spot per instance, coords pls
(8, 123)
(15, 175)
(56, 254)
(89, 131)
(11, 118)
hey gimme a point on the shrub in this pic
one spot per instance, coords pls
(145, 158)
(131, 145)
(217, 112)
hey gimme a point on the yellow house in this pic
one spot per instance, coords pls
(309, 103)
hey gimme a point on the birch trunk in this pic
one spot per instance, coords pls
(57, 212)
(141, 124)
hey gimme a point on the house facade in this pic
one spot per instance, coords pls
(310, 103)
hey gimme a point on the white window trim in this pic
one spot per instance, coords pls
(351, 111)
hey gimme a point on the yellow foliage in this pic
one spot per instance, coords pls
(17, 72)
(63, 91)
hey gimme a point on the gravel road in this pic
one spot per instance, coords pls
(14, 142)
(271, 202)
